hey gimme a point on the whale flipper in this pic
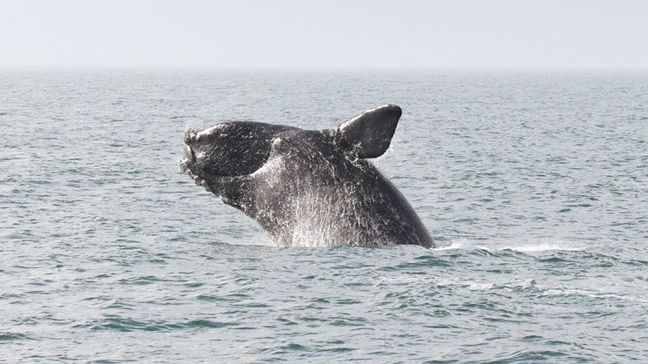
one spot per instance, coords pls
(370, 133)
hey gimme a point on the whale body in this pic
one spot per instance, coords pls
(308, 187)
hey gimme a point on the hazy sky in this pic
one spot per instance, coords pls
(325, 34)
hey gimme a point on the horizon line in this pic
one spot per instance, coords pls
(316, 69)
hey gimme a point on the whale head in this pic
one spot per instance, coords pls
(228, 149)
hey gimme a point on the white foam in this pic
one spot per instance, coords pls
(561, 291)
(543, 247)
(461, 244)
(530, 247)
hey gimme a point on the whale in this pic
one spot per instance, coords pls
(308, 187)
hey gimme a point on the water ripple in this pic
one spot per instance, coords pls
(533, 184)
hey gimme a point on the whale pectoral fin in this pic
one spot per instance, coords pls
(370, 133)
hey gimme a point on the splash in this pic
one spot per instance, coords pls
(523, 247)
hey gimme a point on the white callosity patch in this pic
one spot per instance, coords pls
(201, 155)
(209, 131)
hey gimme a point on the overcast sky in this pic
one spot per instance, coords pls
(324, 34)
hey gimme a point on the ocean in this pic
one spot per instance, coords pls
(533, 184)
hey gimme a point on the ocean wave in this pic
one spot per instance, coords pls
(123, 324)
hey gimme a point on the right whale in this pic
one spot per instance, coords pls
(308, 187)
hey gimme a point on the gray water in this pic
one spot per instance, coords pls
(534, 185)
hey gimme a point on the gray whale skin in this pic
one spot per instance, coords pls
(308, 187)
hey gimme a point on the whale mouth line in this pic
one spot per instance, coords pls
(188, 167)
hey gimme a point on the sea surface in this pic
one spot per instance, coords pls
(533, 184)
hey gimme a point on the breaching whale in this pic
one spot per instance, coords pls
(308, 187)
